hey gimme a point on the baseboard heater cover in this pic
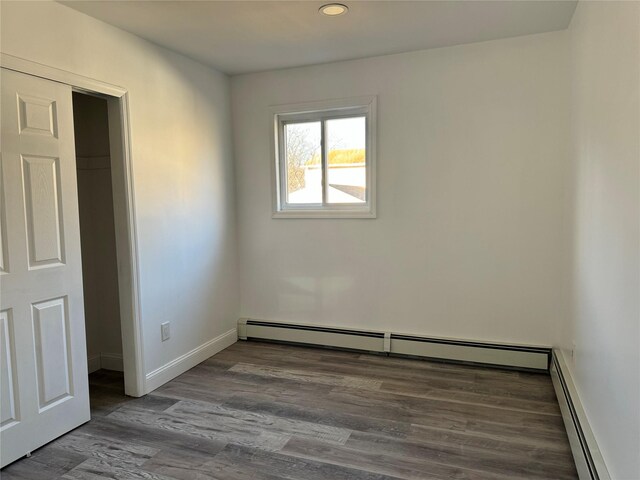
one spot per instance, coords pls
(312, 335)
(502, 355)
(586, 454)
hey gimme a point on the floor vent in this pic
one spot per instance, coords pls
(587, 456)
(520, 357)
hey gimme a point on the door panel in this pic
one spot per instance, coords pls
(44, 385)
(7, 371)
(53, 367)
(42, 202)
(37, 116)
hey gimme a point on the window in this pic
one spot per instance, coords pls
(325, 159)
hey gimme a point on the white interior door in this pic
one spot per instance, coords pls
(44, 386)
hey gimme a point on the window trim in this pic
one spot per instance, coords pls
(316, 111)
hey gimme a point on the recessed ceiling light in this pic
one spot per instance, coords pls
(333, 9)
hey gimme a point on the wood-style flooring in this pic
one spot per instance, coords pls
(259, 411)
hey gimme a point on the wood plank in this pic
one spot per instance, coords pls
(307, 377)
(54, 461)
(99, 469)
(232, 431)
(221, 415)
(421, 410)
(317, 414)
(398, 465)
(482, 460)
(159, 438)
(242, 463)
(181, 465)
(108, 450)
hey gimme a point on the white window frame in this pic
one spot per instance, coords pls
(319, 111)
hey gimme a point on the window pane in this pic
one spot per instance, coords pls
(347, 173)
(304, 165)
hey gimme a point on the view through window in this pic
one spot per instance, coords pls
(326, 161)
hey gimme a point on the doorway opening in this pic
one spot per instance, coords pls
(98, 244)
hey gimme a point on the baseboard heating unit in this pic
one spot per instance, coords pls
(587, 456)
(502, 355)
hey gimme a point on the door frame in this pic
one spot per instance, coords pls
(124, 207)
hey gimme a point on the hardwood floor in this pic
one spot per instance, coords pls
(266, 411)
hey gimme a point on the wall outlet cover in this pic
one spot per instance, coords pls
(166, 331)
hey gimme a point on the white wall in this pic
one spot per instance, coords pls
(472, 146)
(97, 229)
(182, 162)
(604, 240)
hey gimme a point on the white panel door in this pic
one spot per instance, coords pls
(43, 376)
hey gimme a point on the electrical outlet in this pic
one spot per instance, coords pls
(166, 331)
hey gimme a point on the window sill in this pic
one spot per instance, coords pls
(300, 213)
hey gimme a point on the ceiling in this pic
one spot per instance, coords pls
(248, 36)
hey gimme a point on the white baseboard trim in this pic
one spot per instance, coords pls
(524, 357)
(105, 361)
(170, 370)
(93, 363)
(112, 361)
(587, 455)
